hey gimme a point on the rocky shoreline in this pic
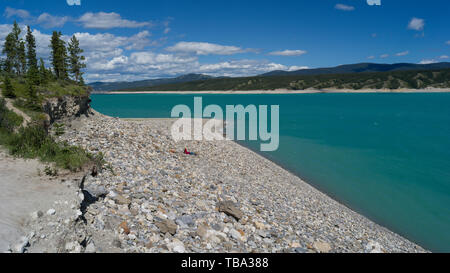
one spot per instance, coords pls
(153, 198)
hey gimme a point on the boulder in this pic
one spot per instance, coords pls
(230, 208)
(167, 226)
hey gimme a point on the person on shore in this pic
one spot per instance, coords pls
(188, 153)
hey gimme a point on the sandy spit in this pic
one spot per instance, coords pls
(286, 91)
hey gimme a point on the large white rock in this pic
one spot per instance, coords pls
(373, 247)
(51, 212)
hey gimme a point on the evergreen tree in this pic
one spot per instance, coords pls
(17, 50)
(31, 49)
(31, 91)
(2, 64)
(44, 76)
(76, 59)
(81, 81)
(59, 56)
(8, 89)
(22, 59)
(33, 71)
(16, 31)
(32, 97)
(11, 49)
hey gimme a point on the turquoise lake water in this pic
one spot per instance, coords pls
(386, 156)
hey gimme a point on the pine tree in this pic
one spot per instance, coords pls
(22, 59)
(8, 89)
(31, 91)
(33, 71)
(17, 50)
(11, 50)
(2, 64)
(76, 59)
(81, 81)
(59, 56)
(32, 97)
(31, 49)
(44, 76)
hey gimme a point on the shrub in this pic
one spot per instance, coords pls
(8, 89)
(58, 129)
(8, 119)
(33, 141)
(50, 171)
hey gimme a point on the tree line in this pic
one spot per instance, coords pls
(20, 61)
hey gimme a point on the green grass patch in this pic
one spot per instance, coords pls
(34, 142)
(32, 110)
(62, 88)
(52, 89)
(8, 119)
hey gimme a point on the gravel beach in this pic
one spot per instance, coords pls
(153, 198)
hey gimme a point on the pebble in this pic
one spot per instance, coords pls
(322, 247)
(230, 208)
(51, 212)
(90, 248)
(167, 226)
(37, 214)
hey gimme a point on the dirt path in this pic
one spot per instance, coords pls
(10, 106)
(23, 191)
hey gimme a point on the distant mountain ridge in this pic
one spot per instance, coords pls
(110, 86)
(360, 68)
(342, 69)
(409, 79)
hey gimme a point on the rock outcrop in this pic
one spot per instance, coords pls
(67, 107)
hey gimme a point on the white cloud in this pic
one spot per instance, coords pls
(384, 56)
(416, 24)
(4, 30)
(288, 53)
(45, 19)
(344, 7)
(371, 57)
(243, 68)
(404, 53)
(428, 61)
(294, 68)
(374, 2)
(42, 43)
(104, 20)
(112, 57)
(112, 64)
(444, 57)
(201, 48)
(139, 41)
(10, 12)
(166, 24)
(74, 2)
(149, 58)
(99, 20)
(50, 21)
(448, 42)
(147, 65)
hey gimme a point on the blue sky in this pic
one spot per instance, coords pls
(133, 40)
